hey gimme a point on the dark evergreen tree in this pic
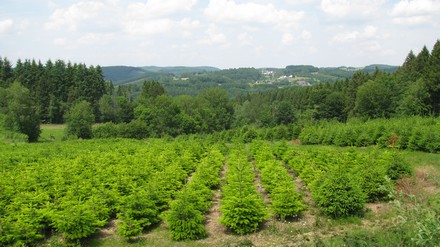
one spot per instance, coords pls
(421, 63)
(6, 73)
(151, 90)
(433, 80)
(350, 91)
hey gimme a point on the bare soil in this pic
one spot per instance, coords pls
(215, 229)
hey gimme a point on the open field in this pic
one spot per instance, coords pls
(52, 132)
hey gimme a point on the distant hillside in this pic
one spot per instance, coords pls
(179, 80)
(180, 70)
(127, 74)
(383, 67)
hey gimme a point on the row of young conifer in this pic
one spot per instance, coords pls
(413, 133)
(75, 189)
(186, 216)
(242, 207)
(285, 201)
(341, 182)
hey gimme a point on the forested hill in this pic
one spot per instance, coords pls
(126, 74)
(237, 81)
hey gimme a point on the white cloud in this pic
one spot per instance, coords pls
(5, 25)
(346, 37)
(214, 36)
(154, 17)
(188, 23)
(369, 32)
(148, 27)
(371, 46)
(412, 20)
(94, 38)
(245, 39)
(416, 7)
(306, 35)
(301, 1)
(154, 9)
(350, 8)
(415, 12)
(287, 39)
(60, 42)
(73, 16)
(228, 11)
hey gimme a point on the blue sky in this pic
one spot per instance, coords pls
(221, 33)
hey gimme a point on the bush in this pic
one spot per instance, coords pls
(338, 194)
(396, 166)
(138, 211)
(80, 120)
(186, 223)
(106, 130)
(376, 185)
(243, 215)
(77, 219)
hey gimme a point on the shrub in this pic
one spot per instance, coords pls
(186, 223)
(376, 185)
(338, 195)
(106, 130)
(286, 202)
(79, 120)
(243, 215)
(78, 219)
(138, 211)
(396, 166)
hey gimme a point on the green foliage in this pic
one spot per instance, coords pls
(373, 100)
(138, 211)
(286, 202)
(396, 167)
(75, 187)
(242, 207)
(376, 185)
(79, 120)
(151, 90)
(338, 195)
(78, 219)
(243, 214)
(417, 225)
(19, 111)
(185, 217)
(186, 223)
(415, 133)
(54, 86)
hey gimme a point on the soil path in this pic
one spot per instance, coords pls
(257, 183)
(215, 229)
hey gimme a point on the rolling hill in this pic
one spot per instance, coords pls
(181, 80)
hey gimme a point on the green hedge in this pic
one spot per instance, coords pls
(414, 133)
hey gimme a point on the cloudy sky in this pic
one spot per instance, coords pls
(221, 33)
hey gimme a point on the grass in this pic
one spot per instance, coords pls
(52, 132)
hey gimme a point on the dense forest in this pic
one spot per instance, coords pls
(55, 92)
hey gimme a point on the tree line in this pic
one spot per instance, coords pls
(32, 93)
(413, 90)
